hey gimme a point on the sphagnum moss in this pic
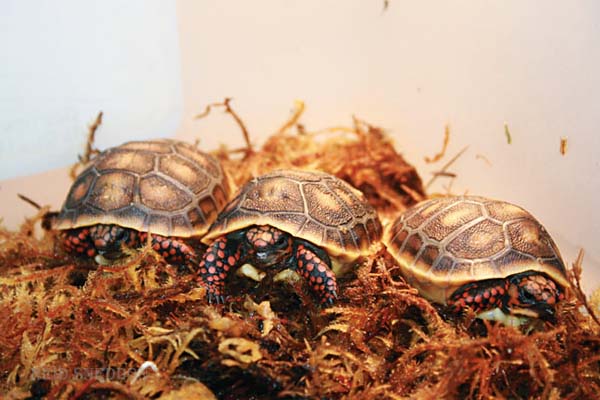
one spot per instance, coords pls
(71, 329)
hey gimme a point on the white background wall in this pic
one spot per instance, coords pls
(411, 69)
(64, 61)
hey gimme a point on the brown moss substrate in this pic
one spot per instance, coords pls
(73, 330)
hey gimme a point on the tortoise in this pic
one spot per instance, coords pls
(490, 255)
(166, 188)
(292, 219)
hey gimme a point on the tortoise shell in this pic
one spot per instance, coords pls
(164, 186)
(313, 206)
(444, 243)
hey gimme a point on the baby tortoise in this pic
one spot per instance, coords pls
(290, 219)
(165, 188)
(489, 255)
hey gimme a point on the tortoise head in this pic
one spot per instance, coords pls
(533, 294)
(269, 245)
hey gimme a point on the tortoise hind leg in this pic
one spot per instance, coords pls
(480, 296)
(174, 251)
(317, 273)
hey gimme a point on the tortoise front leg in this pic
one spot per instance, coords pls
(79, 242)
(174, 251)
(222, 255)
(317, 273)
(480, 296)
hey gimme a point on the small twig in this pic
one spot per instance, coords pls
(445, 167)
(238, 150)
(293, 120)
(416, 196)
(442, 152)
(29, 201)
(89, 149)
(577, 270)
(333, 129)
(301, 129)
(563, 145)
(359, 124)
(238, 120)
(445, 174)
(484, 158)
(507, 133)
(448, 187)
(47, 217)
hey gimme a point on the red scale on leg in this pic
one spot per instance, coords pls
(318, 274)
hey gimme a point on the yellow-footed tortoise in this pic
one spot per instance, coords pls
(290, 219)
(489, 255)
(165, 188)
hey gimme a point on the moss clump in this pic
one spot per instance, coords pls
(142, 328)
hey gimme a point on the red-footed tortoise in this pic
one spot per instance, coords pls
(165, 188)
(290, 219)
(490, 255)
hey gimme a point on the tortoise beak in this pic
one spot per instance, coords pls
(267, 258)
(544, 312)
(262, 255)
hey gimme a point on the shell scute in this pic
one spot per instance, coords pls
(204, 163)
(274, 195)
(184, 172)
(325, 207)
(293, 222)
(309, 228)
(412, 245)
(514, 258)
(445, 264)
(374, 229)
(157, 193)
(314, 206)
(112, 191)
(429, 254)
(159, 186)
(418, 215)
(126, 160)
(347, 198)
(502, 211)
(451, 219)
(80, 189)
(528, 237)
(150, 146)
(481, 240)
(476, 239)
